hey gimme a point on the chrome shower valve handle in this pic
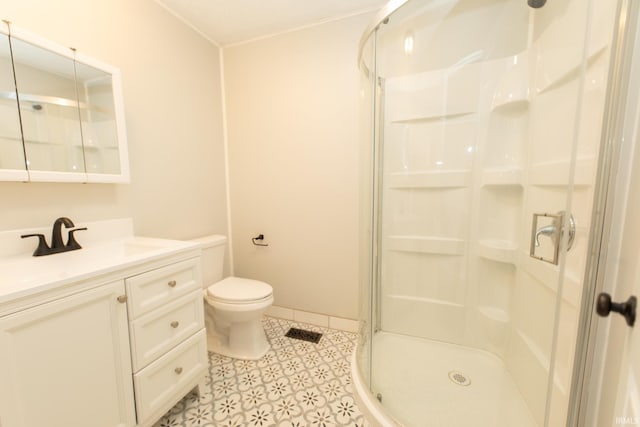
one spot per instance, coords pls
(555, 231)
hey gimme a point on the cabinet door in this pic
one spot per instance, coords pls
(12, 162)
(104, 138)
(45, 81)
(66, 363)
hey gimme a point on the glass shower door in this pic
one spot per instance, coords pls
(488, 113)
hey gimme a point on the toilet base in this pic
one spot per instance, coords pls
(235, 330)
(250, 341)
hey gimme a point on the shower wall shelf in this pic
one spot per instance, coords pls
(58, 143)
(494, 313)
(557, 173)
(548, 275)
(494, 322)
(431, 179)
(433, 95)
(511, 106)
(541, 361)
(572, 290)
(434, 301)
(454, 112)
(7, 139)
(512, 90)
(505, 139)
(535, 353)
(84, 145)
(433, 118)
(498, 250)
(498, 213)
(97, 147)
(558, 71)
(428, 245)
(425, 317)
(502, 177)
(537, 362)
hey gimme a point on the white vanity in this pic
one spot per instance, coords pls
(109, 335)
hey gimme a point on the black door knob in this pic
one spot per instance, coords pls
(604, 306)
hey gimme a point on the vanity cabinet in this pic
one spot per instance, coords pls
(114, 350)
(169, 347)
(61, 113)
(67, 362)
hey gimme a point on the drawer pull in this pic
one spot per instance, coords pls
(172, 283)
(178, 370)
(122, 299)
(175, 324)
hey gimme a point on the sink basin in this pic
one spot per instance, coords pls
(24, 274)
(139, 246)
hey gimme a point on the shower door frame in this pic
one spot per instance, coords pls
(585, 363)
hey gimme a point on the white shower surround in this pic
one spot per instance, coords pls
(508, 136)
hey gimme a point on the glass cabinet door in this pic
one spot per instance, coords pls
(45, 80)
(98, 119)
(12, 161)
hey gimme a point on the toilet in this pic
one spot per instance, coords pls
(233, 306)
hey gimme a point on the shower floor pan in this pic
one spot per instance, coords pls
(428, 383)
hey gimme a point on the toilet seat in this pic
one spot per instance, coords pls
(238, 290)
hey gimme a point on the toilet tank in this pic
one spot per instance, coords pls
(213, 248)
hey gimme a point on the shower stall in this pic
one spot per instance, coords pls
(483, 123)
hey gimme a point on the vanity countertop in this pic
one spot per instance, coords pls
(107, 246)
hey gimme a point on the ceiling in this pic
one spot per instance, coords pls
(227, 22)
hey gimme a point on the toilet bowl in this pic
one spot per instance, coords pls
(234, 306)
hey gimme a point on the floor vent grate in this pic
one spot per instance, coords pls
(304, 335)
(459, 378)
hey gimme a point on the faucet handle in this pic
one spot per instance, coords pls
(43, 248)
(72, 244)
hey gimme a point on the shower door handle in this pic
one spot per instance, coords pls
(554, 231)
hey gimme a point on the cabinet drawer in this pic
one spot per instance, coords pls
(159, 385)
(153, 289)
(157, 332)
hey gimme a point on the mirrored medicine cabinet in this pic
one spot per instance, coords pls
(61, 113)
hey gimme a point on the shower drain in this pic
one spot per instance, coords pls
(459, 378)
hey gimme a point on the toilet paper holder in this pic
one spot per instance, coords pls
(260, 238)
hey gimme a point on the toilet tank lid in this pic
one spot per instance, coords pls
(210, 241)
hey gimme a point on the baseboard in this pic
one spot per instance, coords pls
(323, 320)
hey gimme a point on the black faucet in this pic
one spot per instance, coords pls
(57, 245)
(56, 234)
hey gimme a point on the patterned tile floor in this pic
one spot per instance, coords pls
(296, 383)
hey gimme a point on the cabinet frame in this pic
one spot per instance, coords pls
(30, 175)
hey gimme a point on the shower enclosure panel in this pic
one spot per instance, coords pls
(367, 199)
(429, 130)
(477, 130)
(567, 98)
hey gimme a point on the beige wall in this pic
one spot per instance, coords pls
(171, 79)
(292, 109)
(293, 123)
